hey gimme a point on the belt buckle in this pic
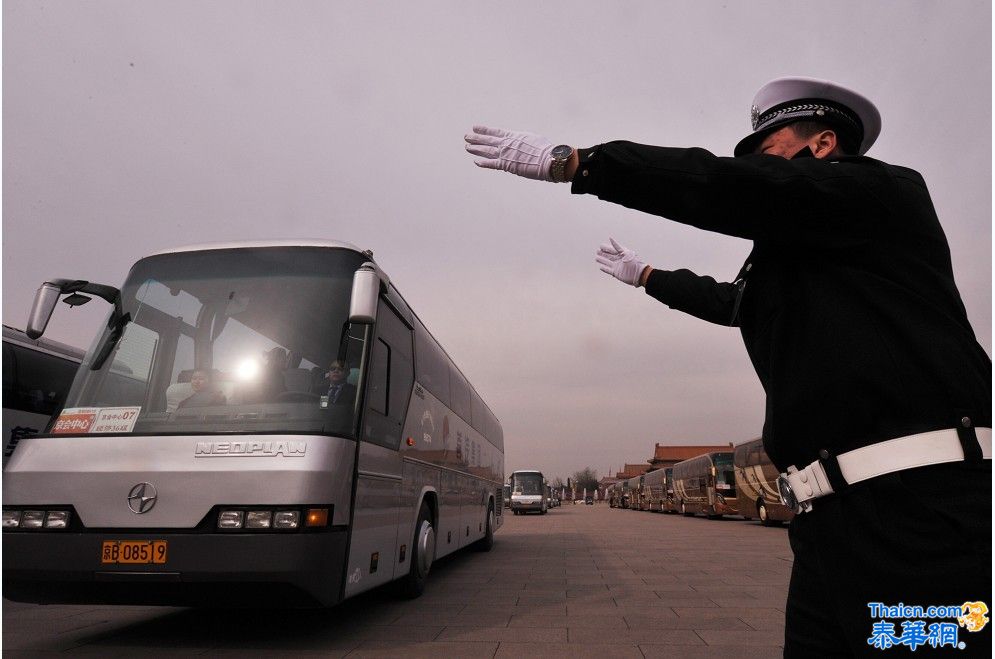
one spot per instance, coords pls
(788, 497)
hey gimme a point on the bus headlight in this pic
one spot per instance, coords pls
(11, 519)
(56, 519)
(286, 519)
(36, 519)
(258, 519)
(230, 519)
(32, 519)
(273, 518)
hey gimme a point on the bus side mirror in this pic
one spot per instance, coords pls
(365, 293)
(41, 311)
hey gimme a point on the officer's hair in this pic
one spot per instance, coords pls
(806, 129)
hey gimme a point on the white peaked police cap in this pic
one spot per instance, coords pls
(787, 100)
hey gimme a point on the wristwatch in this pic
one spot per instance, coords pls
(561, 154)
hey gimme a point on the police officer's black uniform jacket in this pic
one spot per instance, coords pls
(847, 303)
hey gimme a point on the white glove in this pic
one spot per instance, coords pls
(516, 152)
(620, 262)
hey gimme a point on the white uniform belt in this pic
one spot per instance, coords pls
(800, 486)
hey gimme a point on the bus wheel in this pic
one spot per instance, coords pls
(487, 542)
(764, 515)
(422, 555)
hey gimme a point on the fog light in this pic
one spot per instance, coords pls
(286, 519)
(230, 519)
(57, 519)
(317, 517)
(11, 519)
(32, 519)
(258, 519)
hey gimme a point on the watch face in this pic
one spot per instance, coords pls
(561, 152)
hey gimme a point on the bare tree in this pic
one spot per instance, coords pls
(586, 478)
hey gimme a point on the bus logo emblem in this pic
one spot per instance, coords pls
(142, 498)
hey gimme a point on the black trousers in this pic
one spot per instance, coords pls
(921, 537)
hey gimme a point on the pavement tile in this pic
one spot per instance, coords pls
(750, 602)
(766, 624)
(599, 621)
(642, 622)
(454, 619)
(271, 654)
(136, 650)
(739, 638)
(727, 612)
(636, 636)
(515, 635)
(566, 651)
(433, 650)
(653, 651)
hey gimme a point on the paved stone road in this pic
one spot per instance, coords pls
(582, 581)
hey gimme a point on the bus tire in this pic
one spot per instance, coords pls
(487, 542)
(422, 555)
(764, 515)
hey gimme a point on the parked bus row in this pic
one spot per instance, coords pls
(740, 482)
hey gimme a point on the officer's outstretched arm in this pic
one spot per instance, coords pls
(701, 297)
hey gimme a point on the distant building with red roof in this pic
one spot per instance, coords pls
(665, 455)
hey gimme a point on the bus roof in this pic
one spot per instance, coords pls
(245, 244)
(57, 348)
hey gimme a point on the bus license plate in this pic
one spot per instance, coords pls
(133, 552)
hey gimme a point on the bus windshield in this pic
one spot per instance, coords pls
(527, 484)
(725, 475)
(234, 340)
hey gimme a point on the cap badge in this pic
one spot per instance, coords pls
(754, 116)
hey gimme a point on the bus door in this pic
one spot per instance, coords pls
(374, 553)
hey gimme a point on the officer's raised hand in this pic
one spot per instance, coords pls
(519, 153)
(622, 263)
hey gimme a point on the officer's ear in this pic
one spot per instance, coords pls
(823, 143)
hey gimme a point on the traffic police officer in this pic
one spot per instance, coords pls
(878, 393)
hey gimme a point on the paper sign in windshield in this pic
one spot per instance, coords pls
(90, 420)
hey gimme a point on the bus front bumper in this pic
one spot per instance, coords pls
(526, 505)
(222, 569)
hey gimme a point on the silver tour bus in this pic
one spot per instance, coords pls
(528, 492)
(36, 378)
(257, 422)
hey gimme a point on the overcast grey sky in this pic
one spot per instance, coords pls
(135, 126)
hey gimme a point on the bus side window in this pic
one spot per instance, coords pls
(391, 377)
(379, 377)
(38, 382)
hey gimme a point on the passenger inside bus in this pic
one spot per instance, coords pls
(340, 392)
(205, 391)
